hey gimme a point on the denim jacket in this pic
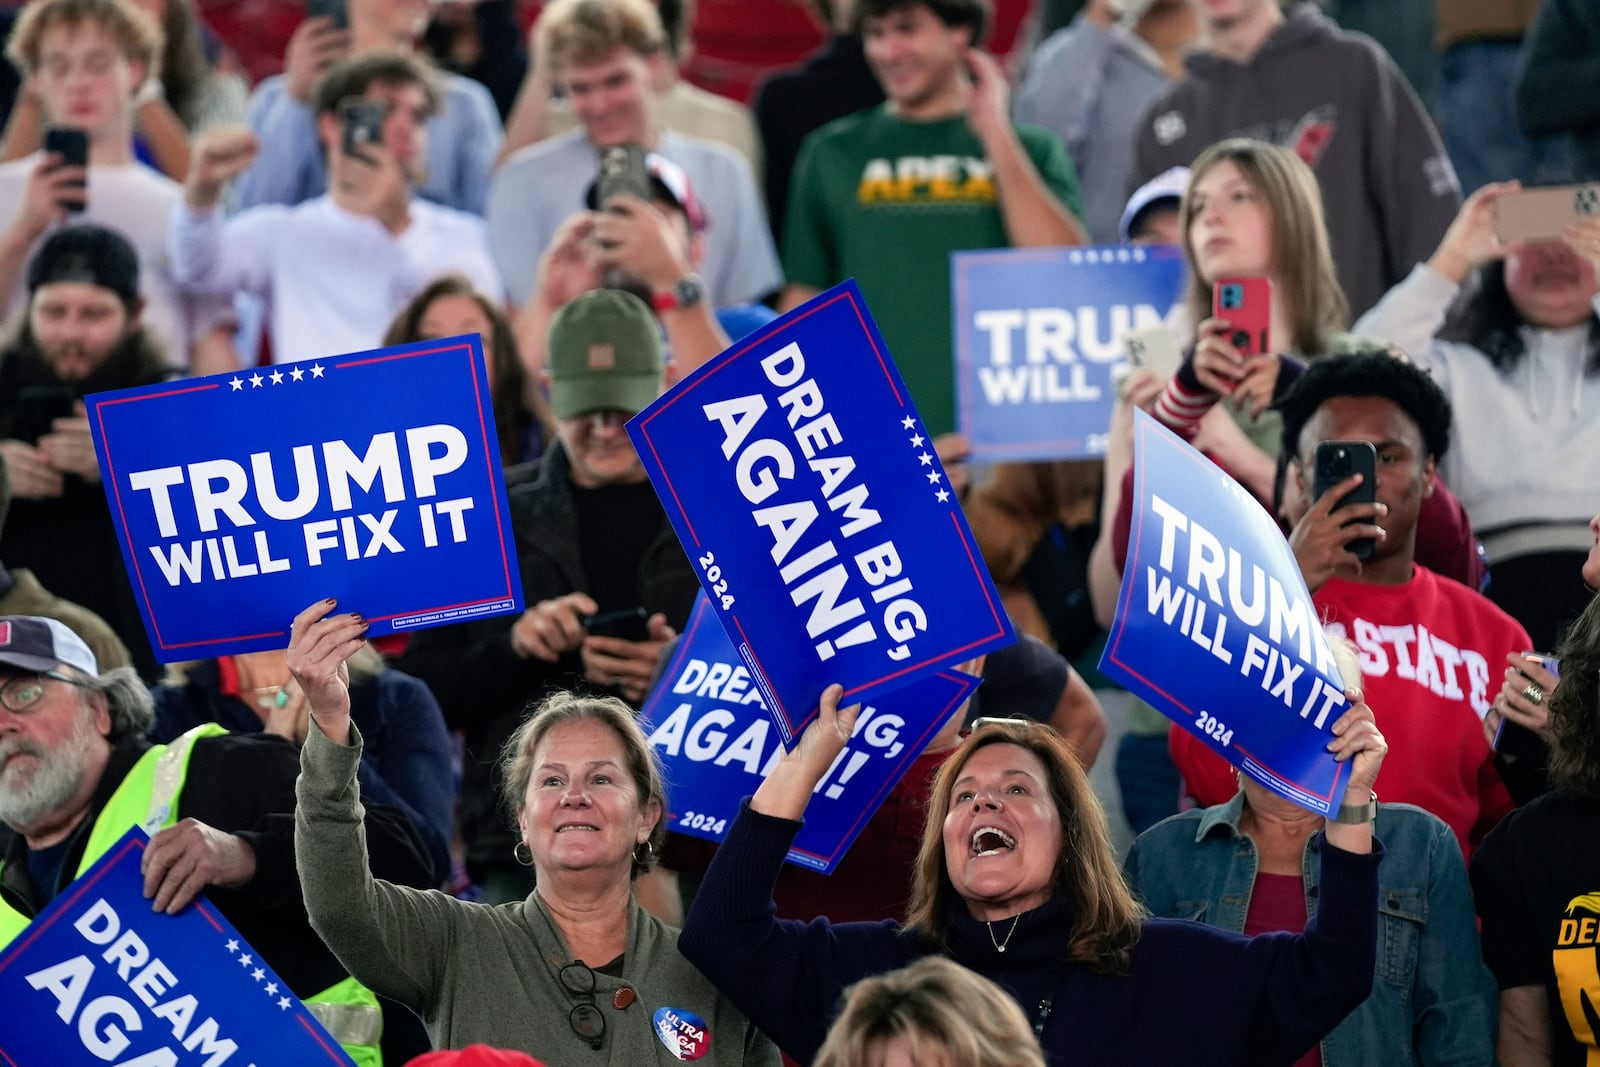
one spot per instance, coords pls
(1434, 1001)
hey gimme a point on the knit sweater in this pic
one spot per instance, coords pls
(1193, 995)
(476, 973)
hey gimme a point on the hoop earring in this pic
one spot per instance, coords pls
(519, 850)
(647, 858)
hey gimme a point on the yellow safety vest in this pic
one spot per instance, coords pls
(148, 797)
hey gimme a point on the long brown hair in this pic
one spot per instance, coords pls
(517, 403)
(1105, 915)
(1575, 709)
(1302, 263)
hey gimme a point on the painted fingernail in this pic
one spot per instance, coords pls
(330, 600)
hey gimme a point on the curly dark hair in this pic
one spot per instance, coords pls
(1482, 315)
(1575, 709)
(1368, 370)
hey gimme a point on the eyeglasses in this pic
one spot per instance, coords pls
(586, 1020)
(21, 693)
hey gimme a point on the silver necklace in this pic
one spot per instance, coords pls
(1000, 946)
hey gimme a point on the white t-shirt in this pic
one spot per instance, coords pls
(331, 280)
(137, 202)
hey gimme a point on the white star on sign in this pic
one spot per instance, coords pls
(233, 946)
(926, 459)
(255, 381)
(277, 377)
(258, 974)
(908, 422)
(316, 370)
(916, 442)
(246, 960)
(272, 988)
(933, 477)
(283, 1003)
(943, 495)
(297, 374)
(237, 384)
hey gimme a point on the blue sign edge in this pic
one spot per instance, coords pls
(1114, 667)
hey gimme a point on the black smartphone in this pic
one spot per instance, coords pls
(628, 624)
(72, 145)
(1337, 460)
(623, 171)
(337, 10)
(362, 123)
(37, 409)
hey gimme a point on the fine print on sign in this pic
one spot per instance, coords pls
(1214, 626)
(709, 725)
(1038, 333)
(802, 484)
(240, 498)
(99, 977)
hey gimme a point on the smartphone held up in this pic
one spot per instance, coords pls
(1336, 461)
(72, 145)
(1245, 304)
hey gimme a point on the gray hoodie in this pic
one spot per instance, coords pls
(1338, 100)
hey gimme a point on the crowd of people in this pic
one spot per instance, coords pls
(455, 847)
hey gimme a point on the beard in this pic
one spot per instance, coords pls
(58, 773)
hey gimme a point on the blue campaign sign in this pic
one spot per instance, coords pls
(805, 490)
(1038, 332)
(709, 725)
(374, 478)
(98, 977)
(1214, 626)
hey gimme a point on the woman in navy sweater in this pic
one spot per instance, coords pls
(1017, 880)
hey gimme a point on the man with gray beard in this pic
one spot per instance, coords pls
(76, 773)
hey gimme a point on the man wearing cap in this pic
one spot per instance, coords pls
(76, 773)
(652, 250)
(85, 61)
(83, 334)
(605, 578)
(333, 270)
(1151, 214)
(605, 56)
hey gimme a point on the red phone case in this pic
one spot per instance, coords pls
(1246, 305)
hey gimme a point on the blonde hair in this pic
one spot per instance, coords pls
(945, 1013)
(134, 32)
(587, 31)
(1105, 915)
(1302, 262)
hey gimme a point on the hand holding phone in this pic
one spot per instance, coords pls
(1336, 461)
(1245, 304)
(72, 145)
(1522, 710)
(629, 624)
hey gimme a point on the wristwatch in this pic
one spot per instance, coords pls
(686, 292)
(1356, 814)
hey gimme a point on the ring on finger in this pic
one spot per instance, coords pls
(1533, 693)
